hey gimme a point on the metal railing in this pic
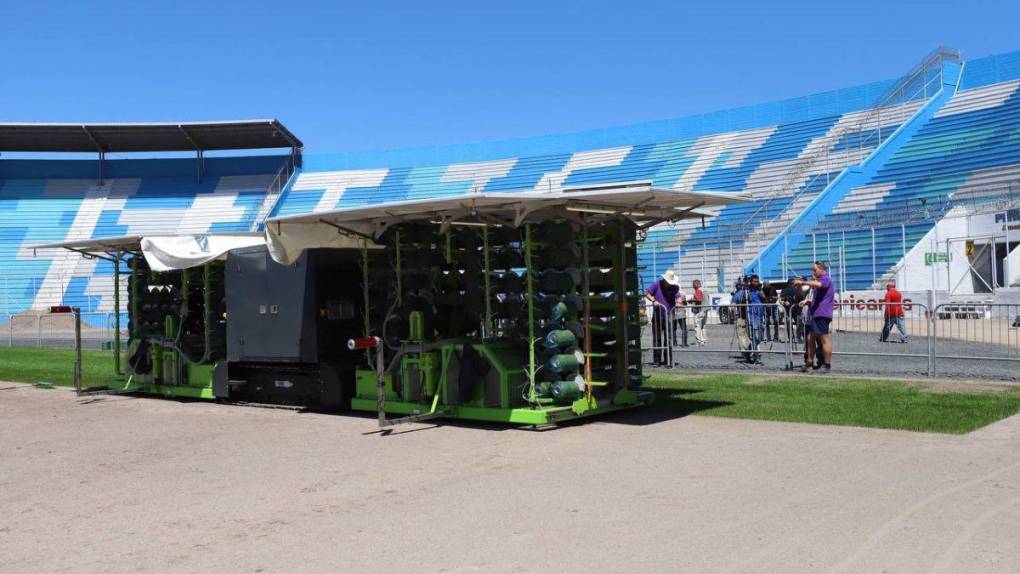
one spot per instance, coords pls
(706, 260)
(920, 83)
(976, 332)
(980, 340)
(273, 192)
(57, 331)
(864, 133)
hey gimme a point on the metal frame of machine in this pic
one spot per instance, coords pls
(275, 349)
(170, 313)
(569, 349)
(512, 307)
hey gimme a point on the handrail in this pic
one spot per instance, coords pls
(891, 97)
(273, 192)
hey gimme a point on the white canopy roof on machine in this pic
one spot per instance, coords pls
(287, 237)
(354, 227)
(164, 252)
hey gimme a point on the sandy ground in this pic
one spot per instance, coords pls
(122, 484)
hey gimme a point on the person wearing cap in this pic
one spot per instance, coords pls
(662, 296)
(893, 303)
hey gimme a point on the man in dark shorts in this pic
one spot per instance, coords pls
(822, 299)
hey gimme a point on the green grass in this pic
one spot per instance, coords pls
(55, 366)
(917, 406)
(923, 406)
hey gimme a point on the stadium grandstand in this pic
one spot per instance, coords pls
(881, 180)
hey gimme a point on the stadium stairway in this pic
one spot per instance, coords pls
(790, 177)
(969, 147)
(845, 196)
(746, 238)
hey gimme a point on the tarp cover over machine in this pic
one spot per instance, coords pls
(276, 347)
(511, 307)
(176, 307)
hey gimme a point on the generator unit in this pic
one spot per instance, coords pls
(286, 328)
(237, 325)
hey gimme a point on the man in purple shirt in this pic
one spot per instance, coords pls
(822, 299)
(663, 295)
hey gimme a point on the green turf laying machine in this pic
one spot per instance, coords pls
(509, 307)
(519, 308)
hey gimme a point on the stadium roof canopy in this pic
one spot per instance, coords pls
(146, 137)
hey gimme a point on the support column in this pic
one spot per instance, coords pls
(623, 308)
(487, 325)
(116, 314)
(531, 312)
(400, 286)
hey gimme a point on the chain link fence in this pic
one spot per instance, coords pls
(41, 330)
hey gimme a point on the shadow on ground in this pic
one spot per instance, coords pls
(669, 404)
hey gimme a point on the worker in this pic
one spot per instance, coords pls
(662, 296)
(770, 296)
(680, 319)
(893, 311)
(700, 311)
(821, 304)
(751, 318)
(791, 296)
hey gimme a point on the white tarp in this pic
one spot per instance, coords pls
(287, 241)
(168, 252)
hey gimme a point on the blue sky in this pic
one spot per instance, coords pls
(356, 76)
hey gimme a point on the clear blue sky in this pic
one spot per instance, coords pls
(355, 76)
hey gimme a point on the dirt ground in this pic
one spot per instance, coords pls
(122, 484)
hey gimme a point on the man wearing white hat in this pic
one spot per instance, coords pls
(662, 296)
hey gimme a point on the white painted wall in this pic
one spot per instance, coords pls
(914, 275)
(1012, 272)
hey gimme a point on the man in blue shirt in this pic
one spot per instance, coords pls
(823, 298)
(751, 311)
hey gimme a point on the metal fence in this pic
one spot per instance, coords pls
(976, 333)
(56, 330)
(972, 340)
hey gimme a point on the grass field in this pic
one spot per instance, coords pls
(915, 406)
(55, 366)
